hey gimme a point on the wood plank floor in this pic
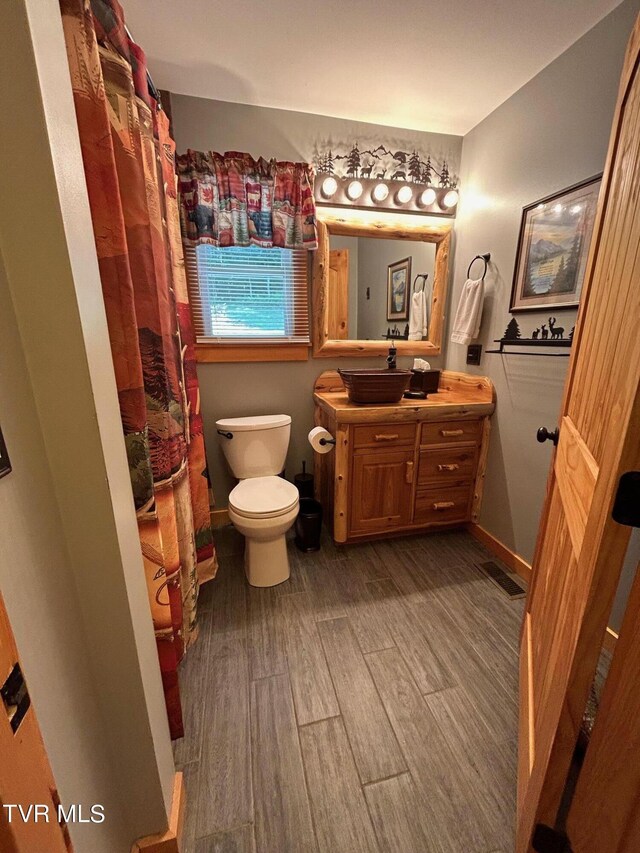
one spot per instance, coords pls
(368, 704)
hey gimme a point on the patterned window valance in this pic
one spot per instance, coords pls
(233, 200)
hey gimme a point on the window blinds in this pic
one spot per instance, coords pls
(248, 294)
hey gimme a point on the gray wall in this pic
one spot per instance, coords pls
(550, 134)
(632, 559)
(268, 388)
(206, 124)
(374, 257)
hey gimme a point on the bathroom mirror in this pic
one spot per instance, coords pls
(364, 278)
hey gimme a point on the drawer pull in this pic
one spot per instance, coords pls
(443, 505)
(386, 436)
(451, 432)
(452, 467)
(409, 473)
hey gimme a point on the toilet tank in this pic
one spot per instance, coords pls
(255, 446)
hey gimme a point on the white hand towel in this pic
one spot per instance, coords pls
(466, 325)
(418, 316)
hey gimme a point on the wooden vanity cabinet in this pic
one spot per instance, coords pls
(405, 467)
(381, 487)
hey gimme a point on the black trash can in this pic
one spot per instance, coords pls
(309, 525)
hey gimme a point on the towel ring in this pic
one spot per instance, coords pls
(486, 258)
(424, 276)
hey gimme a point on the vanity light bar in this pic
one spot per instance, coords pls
(391, 196)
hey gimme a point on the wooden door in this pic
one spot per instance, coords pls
(381, 489)
(580, 548)
(25, 775)
(339, 290)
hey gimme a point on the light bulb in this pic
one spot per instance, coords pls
(329, 186)
(428, 197)
(404, 194)
(451, 198)
(354, 190)
(557, 208)
(380, 192)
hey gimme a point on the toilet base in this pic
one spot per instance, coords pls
(266, 563)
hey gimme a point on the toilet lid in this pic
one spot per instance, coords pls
(257, 422)
(263, 497)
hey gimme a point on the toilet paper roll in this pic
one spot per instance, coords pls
(319, 438)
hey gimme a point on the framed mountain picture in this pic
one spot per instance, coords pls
(553, 246)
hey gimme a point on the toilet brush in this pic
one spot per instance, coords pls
(304, 482)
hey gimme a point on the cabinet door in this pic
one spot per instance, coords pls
(381, 491)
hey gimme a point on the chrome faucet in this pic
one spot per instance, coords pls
(391, 358)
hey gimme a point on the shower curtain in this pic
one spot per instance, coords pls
(129, 162)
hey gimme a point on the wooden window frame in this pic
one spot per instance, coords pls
(261, 351)
(216, 352)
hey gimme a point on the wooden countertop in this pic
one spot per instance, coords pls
(460, 395)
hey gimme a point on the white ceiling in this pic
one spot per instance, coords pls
(418, 64)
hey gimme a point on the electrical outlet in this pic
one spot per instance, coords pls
(474, 351)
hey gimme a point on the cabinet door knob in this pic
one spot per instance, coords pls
(408, 476)
(451, 432)
(453, 467)
(443, 505)
(386, 436)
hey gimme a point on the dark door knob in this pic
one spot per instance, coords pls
(543, 435)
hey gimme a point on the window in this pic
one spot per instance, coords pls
(248, 296)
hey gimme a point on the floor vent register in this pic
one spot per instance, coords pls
(500, 578)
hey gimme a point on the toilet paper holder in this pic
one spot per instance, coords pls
(321, 440)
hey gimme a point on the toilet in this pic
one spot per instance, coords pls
(263, 506)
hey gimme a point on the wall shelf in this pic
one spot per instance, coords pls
(558, 343)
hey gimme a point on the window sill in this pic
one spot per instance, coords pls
(206, 352)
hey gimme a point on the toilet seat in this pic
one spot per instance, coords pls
(263, 497)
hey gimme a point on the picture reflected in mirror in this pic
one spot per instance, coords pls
(398, 285)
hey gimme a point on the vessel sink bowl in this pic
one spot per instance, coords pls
(371, 385)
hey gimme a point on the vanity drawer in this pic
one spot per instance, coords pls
(442, 505)
(384, 435)
(446, 432)
(448, 464)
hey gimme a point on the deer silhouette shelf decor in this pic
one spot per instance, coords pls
(556, 331)
(551, 336)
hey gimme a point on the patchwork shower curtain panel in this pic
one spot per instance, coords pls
(129, 161)
(233, 200)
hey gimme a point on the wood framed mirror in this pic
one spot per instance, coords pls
(376, 295)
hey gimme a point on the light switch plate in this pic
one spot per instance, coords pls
(474, 351)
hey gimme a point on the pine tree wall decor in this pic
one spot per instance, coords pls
(353, 162)
(393, 167)
(512, 332)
